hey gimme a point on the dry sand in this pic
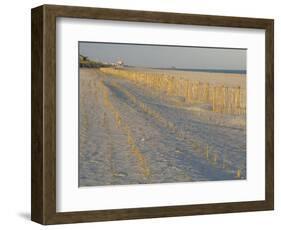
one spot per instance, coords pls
(178, 144)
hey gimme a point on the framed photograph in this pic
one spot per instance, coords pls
(141, 114)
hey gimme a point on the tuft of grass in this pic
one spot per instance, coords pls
(238, 174)
(215, 158)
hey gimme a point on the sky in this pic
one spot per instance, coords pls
(155, 56)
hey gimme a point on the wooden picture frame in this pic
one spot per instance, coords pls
(43, 205)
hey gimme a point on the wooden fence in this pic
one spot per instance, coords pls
(222, 99)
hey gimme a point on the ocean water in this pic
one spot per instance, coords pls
(208, 70)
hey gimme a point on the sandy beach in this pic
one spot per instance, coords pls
(130, 134)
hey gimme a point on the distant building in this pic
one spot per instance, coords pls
(119, 63)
